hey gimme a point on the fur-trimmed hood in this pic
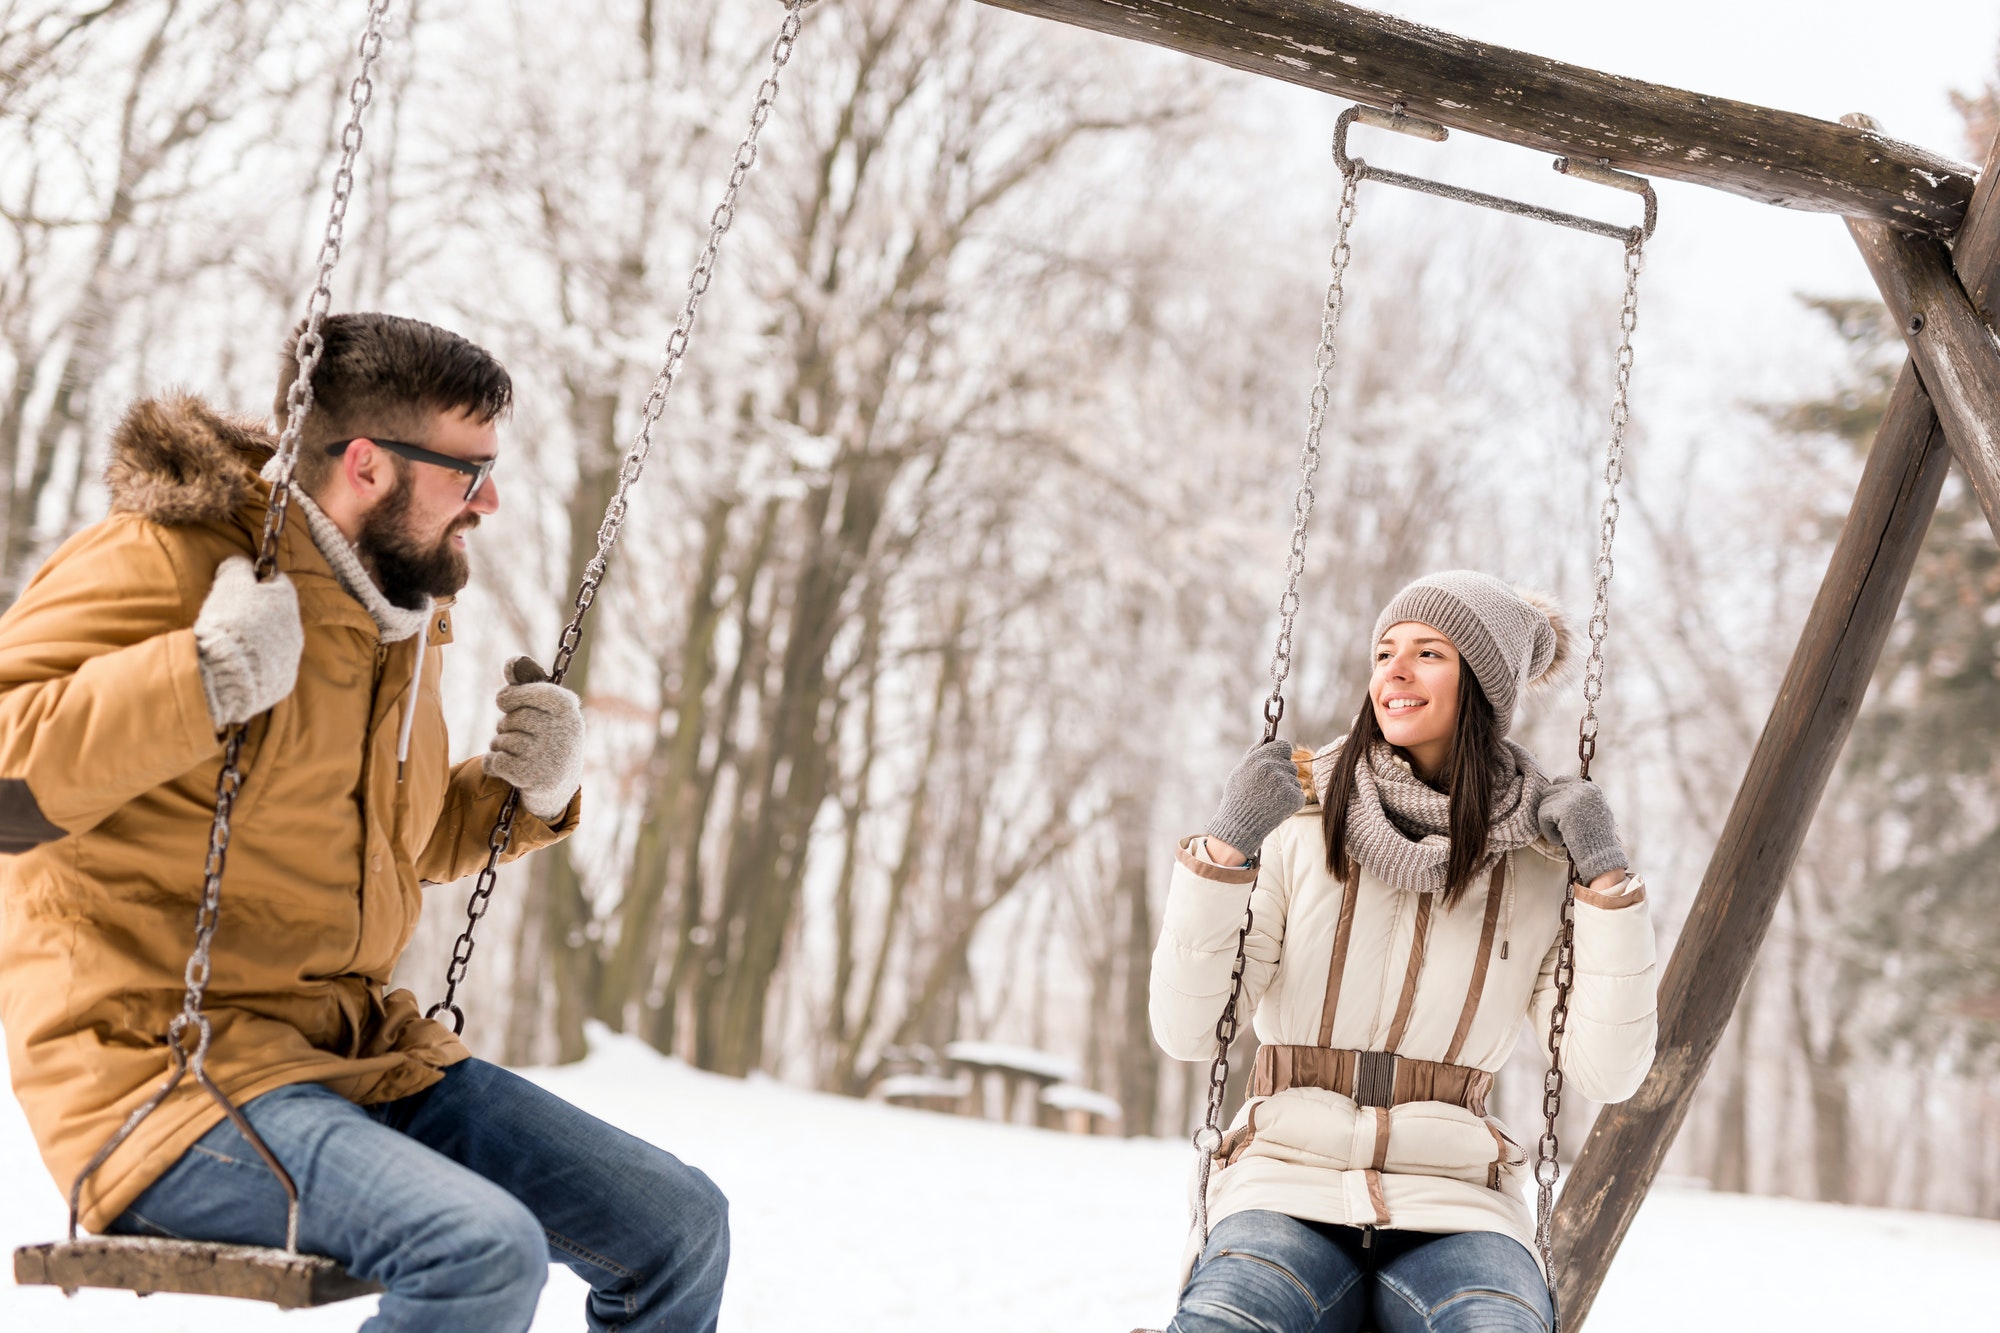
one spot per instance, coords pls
(176, 460)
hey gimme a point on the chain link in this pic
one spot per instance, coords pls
(1548, 1165)
(1322, 393)
(1548, 1168)
(629, 469)
(1607, 518)
(1208, 1139)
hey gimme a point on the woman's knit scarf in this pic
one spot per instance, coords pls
(1399, 826)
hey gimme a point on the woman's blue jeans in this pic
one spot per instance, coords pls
(457, 1199)
(1264, 1272)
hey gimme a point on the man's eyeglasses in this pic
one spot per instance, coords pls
(479, 472)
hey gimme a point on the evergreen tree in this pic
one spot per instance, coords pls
(1919, 787)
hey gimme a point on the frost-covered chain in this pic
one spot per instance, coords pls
(475, 909)
(719, 223)
(1302, 503)
(298, 402)
(1548, 1167)
(1208, 1139)
(229, 780)
(1607, 519)
(228, 783)
(299, 398)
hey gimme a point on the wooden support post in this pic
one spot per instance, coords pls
(1950, 344)
(1795, 756)
(1777, 157)
(1809, 725)
(1948, 338)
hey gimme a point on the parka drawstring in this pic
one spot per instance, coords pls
(410, 699)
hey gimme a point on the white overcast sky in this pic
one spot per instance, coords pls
(1724, 271)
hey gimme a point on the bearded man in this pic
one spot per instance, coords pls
(449, 1181)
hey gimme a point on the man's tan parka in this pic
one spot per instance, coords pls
(108, 766)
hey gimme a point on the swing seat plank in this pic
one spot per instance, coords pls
(193, 1268)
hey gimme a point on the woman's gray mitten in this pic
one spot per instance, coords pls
(1262, 792)
(248, 640)
(1574, 815)
(539, 746)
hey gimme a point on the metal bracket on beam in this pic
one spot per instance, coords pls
(1597, 173)
(1402, 122)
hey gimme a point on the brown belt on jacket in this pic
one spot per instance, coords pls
(1371, 1078)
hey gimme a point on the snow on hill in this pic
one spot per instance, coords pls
(853, 1215)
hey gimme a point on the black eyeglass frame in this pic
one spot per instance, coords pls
(479, 472)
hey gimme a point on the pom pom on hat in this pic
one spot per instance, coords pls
(1562, 658)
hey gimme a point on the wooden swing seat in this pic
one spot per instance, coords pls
(194, 1268)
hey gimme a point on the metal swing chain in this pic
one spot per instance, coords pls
(719, 223)
(298, 403)
(1302, 502)
(1208, 1139)
(1548, 1168)
(229, 781)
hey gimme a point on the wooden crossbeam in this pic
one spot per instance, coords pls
(1777, 157)
(1795, 756)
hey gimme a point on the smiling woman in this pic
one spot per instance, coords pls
(1364, 1172)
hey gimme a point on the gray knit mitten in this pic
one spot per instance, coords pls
(539, 747)
(248, 639)
(1573, 815)
(1262, 792)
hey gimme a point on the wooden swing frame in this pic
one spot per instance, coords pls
(1929, 228)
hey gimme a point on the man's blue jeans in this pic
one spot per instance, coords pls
(1264, 1272)
(457, 1199)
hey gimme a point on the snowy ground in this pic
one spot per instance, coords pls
(849, 1215)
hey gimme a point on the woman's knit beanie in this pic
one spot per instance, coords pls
(1512, 638)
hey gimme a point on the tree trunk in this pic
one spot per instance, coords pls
(767, 861)
(567, 952)
(915, 826)
(1729, 1167)
(1138, 1057)
(674, 1026)
(670, 770)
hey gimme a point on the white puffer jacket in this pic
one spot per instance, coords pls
(1409, 978)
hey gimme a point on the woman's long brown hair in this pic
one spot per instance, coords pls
(1467, 777)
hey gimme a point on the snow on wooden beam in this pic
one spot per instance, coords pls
(1950, 344)
(1948, 338)
(1776, 157)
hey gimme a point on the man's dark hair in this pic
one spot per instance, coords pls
(389, 376)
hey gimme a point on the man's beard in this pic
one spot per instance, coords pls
(407, 570)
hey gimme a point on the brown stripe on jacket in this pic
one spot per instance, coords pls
(1350, 891)
(1488, 928)
(1420, 940)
